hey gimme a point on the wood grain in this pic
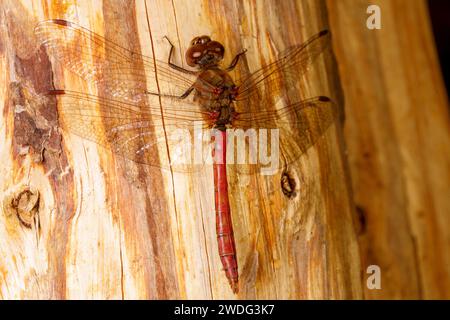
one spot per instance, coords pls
(106, 228)
(397, 133)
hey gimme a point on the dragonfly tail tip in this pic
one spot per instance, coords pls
(234, 284)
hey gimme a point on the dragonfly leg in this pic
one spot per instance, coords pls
(183, 96)
(235, 61)
(173, 65)
(187, 93)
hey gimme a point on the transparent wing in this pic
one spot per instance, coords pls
(299, 124)
(288, 132)
(141, 133)
(288, 67)
(123, 73)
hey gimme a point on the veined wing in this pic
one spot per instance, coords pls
(299, 125)
(125, 74)
(135, 131)
(290, 65)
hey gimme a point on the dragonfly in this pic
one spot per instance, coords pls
(142, 103)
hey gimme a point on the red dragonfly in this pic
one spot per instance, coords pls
(142, 101)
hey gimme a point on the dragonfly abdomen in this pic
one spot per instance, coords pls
(224, 225)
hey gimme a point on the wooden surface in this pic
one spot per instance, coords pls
(77, 222)
(397, 133)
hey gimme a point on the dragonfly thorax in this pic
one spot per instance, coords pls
(224, 117)
(214, 88)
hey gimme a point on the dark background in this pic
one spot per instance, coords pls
(440, 18)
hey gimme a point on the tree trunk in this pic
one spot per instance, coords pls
(397, 133)
(79, 222)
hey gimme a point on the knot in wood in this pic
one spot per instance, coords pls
(288, 185)
(25, 203)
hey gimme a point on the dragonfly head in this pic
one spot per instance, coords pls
(204, 52)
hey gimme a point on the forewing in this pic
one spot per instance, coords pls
(121, 72)
(290, 65)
